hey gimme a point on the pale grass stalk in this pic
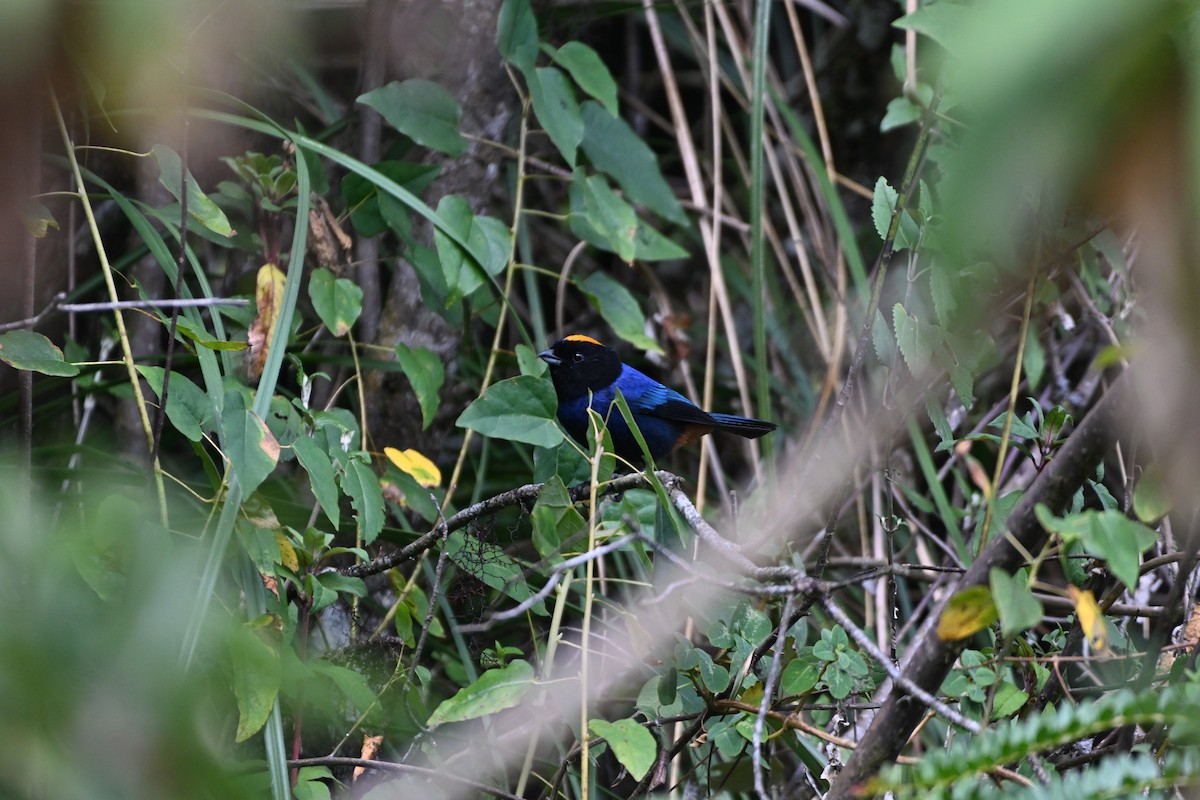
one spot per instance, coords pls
(118, 317)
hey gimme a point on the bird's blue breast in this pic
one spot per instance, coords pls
(643, 394)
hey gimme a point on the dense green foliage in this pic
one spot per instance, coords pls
(307, 502)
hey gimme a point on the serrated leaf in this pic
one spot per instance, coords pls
(883, 204)
(413, 463)
(520, 409)
(620, 310)
(634, 746)
(967, 613)
(496, 690)
(557, 110)
(320, 476)
(589, 71)
(250, 447)
(337, 301)
(31, 351)
(422, 110)
(613, 148)
(881, 338)
(425, 374)
(200, 206)
(911, 340)
(362, 487)
(1019, 609)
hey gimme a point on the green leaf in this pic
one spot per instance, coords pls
(619, 309)
(337, 301)
(32, 351)
(485, 235)
(613, 218)
(942, 22)
(799, 676)
(1151, 500)
(555, 518)
(634, 746)
(496, 690)
(612, 147)
(320, 476)
(1019, 609)
(590, 72)
(911, 340)
(205, 339)
(966, 613)
(200, 206)
(557, 110)
(188, 407)
(520, 409)
(310, 784)
(1108, 534)
(372, 211)
(882, 205)
(362, 487)
(1034, 361)
(251, 449)
(423, 111)
(489, 564)
(517, 34)
(257, 676)
(900, 112)
(425, 374)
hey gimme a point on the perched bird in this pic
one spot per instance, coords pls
(580, 364)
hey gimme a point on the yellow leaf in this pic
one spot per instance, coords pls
(287, 553)
(268, 295)
(1091, 621)
(968, 612)
(424, 471)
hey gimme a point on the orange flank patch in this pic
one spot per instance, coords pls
(693, 433)
(579, 337)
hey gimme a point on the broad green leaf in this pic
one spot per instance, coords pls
(251, 449)
(362, 487)
(588, 222)
(32, 351)
(589, 71)
(188, 407)
(967, 613)
(256, 679)
(372, 212)
(310, 784)
(612, 147)
(520, 409)
(557, 110)
(200, 206)
(422, 110)
(517, 34)
(1009, 700)
(1151, 502)
(555, 518)
(353, 685)
(337, 301)
(425, 374)
(799, 676)
(489, 564)
(633, 745)
(485, 235)
(619, 309)
(610, 216)
(496, 690)
(900, 112)
(1108, 534)
(942, 22)
(320, 476)
(529, 363)
(1019, 610)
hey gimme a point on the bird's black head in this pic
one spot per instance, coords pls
(579, 363)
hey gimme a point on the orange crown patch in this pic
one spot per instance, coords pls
(579, 337)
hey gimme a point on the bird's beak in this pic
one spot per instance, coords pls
(549, 357)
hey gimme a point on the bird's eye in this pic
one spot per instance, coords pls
(578, 357)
